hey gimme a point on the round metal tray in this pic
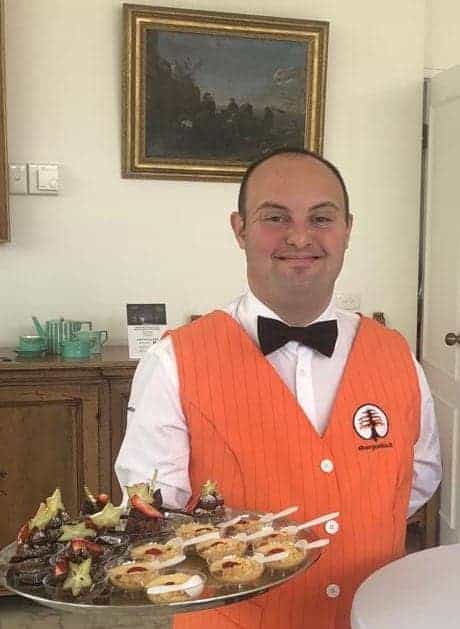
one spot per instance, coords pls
(215, 594)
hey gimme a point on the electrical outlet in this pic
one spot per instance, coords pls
(348, 301)
(17, 179)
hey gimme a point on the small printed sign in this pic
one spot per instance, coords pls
(146, 326)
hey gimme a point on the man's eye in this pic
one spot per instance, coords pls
(322, 220)
(274, 218)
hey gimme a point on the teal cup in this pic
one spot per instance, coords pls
(96, 339)
(75, 348)
(31, 343)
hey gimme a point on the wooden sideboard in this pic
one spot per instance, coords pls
(61, 424)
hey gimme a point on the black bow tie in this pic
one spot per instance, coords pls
(274, 334)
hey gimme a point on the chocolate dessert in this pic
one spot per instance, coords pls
(210, 505)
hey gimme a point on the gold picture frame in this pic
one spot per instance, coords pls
(206, 93)
(4, 210)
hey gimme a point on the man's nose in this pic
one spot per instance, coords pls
(299, 235)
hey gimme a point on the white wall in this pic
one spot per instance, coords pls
(442, 48)
(105, 241)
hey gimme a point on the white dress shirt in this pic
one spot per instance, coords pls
(157, 434)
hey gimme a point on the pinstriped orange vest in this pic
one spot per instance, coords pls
(248, 432)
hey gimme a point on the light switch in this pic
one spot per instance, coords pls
(43, 178)
(17, 179)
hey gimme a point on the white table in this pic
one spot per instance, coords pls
(420, 591)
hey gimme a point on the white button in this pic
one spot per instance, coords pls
(327, 465)
(333, 590)
(331, 527)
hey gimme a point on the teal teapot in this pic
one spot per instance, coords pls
(55, 331)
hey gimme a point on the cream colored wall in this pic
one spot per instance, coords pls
(442, 49)
(105, 241)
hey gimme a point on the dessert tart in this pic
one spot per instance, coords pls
(237, 570)
(131, 576)
(280, 537)
(216, 549)
(246, 524)
(154, 551)
(194, 529)
(295, 554)
(166, 587)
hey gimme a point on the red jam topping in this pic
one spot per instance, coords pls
(230, 564)
(170, 583)
(154, 551)
(273, 551)
(136, 569)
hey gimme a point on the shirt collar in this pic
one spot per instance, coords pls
(249, 308)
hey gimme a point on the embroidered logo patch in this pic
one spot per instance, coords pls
(370, 422)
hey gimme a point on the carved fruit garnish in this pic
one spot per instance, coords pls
(48, 511)
(145, 508)
(74, 531)
(142, 490)
(78, 577)
(61, 567)
(109, 517)
(136, 569)
(83, 544)
(230, 564)
(103, 499)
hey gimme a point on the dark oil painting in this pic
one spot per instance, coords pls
(222, 97)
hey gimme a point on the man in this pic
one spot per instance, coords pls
(347, 426)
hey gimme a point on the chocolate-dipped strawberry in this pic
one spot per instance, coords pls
(210, 505)
(92, 504)
(144, 516)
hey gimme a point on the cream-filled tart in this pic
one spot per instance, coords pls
(233, 569)
(216, 549)
(246, 525)
(153, 551)
(132, 576)
(194, 529)
(295, 554)
(161, 589)
(280, 537)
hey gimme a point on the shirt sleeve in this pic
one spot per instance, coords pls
(156, 435)
(427, 454)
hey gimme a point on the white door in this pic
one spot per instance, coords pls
(442, 285)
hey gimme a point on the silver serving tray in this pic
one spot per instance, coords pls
(215, 594)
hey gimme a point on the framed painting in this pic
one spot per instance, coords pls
(206, 93)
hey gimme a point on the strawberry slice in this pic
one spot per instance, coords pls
(61, 567)
(144, 507)
(103, 499)
(83, 544)
(23, 534)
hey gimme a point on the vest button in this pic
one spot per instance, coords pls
(333, 590)
(331, 527)
(327, 465)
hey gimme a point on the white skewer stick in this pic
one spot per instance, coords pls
(318, 543)
(224, 525)
(244, 537)
(266, 559)
(292, 529)
(194, 587)
(269, 517)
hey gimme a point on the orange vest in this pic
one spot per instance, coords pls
(248, 433)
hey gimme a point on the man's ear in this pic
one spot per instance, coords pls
(238, 226)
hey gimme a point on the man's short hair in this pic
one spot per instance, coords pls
(289, 151)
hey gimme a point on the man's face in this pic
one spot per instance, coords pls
(295, 232)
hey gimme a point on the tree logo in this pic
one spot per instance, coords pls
(370, 422)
